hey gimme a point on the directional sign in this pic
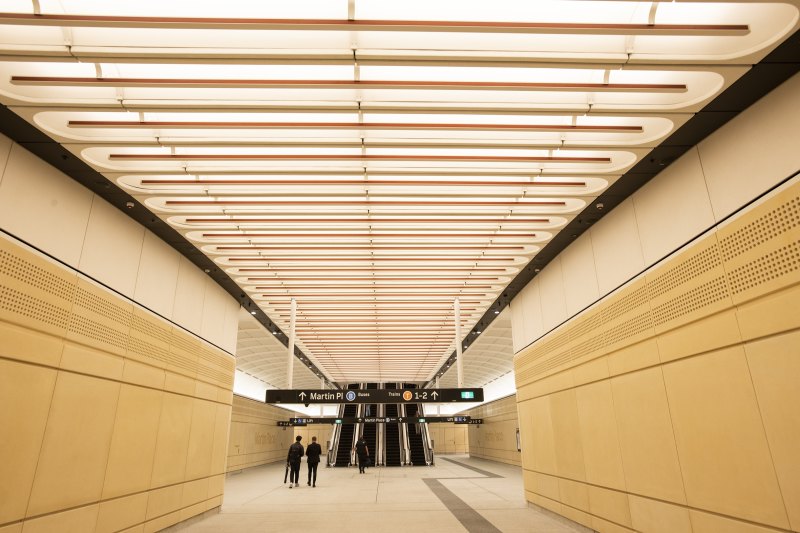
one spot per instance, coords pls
(468, 420)
(378, 420)
(308, 396)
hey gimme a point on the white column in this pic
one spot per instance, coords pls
(438, 405)
(321, 386)
(290, 364)
(459, 368)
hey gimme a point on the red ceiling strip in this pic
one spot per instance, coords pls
(118, 21)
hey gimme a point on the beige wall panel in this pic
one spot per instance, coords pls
(157, 275)
(716, 331)
(604, 526)
(193, 510)
(635, 357)
(658, 517)
(112, 247)
(13, 528)
(601, 449)
(775, 369)
(573, 493)
(205, 391)
(72, 463)
(150, 339)
(567, 435)
(201, 440)
(584, 519)
(78, 520)
(219, 452)
(121, 513)
(22, 344)
(216, 300)
(134, 529)
(100, 319)
(735, 170)
(35, 199)
(194, 492)
(547, 503)
(189, 296)
(517, 324)
(533, 327)
(25, 393)
(761, 249)
(774, 313)
(164, 501)
(162, 522)
(691, 285)
(551, 290)
(610, 504)
(142, 374)
(617, 248)
(172, 443)
(589, 372)
(542, 444)
(626, 317)
(713, 523)
(5, 151)
(682, 183)
(37, 293)
(133, 443)
(216, 485)
(580, 278)
(723, 450)
(179, 384)
(85, 360)
(649, 456)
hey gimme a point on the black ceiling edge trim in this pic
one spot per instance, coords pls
(777, 67)
(36, 142)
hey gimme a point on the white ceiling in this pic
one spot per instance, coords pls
(372, 160)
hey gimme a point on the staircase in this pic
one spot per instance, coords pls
(417, 451)
(392, 434)
(346, 435)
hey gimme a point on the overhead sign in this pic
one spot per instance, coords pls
(378, 420)
(468, 420)
(308, 396)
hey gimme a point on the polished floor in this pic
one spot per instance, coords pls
(458, 494)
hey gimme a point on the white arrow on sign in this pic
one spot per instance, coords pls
(302, 395)
(435, 395)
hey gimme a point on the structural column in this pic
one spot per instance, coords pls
(290, 364)
(459, 369)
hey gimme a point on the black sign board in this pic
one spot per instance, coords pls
(308, 396)
(377, 420)
(474, 421)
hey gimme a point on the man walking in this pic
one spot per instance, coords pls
(363, 454)
(313, 452)
(293, 460)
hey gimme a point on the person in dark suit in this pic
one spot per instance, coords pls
(313, 452)
(363, 454)
(293, 460)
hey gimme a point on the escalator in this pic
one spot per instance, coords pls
(370, 431)
(416, 448)
(392, 434)
(346, 434)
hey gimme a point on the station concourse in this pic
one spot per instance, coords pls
(539, 260)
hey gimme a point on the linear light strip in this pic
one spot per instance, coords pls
(353, 125)
(355, 157)
(376, 220)
(373, 279)
(370, 248)
(337, 234)
(375, 268)
(334, 84)
(174, 23)
(367, 286)
(373, 203)
(361, 259)
(368, 183)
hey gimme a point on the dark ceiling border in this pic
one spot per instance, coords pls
(777, 67)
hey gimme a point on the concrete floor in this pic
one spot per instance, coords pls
(443, 498)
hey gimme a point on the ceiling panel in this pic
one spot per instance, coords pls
(372, 161)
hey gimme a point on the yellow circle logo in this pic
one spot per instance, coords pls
(407, 395)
